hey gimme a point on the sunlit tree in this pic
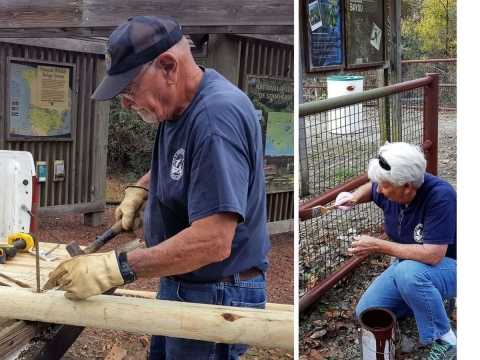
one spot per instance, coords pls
(437, 28)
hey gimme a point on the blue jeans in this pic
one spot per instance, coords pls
(411, 287)
(242, 293)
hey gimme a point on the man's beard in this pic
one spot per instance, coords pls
(147, 116)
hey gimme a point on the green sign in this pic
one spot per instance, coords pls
(272, 97)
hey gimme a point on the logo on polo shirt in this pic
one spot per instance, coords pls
(418, 234)
(176, 171)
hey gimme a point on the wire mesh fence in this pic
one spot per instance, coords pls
(447, 72)
(338, 145)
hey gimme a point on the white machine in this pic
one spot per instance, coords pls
(18, 192)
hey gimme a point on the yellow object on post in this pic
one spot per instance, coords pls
(22, 241)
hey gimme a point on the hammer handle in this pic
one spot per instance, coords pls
(74, 249)
(106, 237)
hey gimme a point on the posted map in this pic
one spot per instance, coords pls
(40, 100)
(279, 138)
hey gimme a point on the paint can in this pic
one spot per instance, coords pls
(378, 334)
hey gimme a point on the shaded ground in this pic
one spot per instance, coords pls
(97, 343)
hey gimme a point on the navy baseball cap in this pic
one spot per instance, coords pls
(133, 44)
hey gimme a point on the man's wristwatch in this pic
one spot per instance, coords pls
(125, 269)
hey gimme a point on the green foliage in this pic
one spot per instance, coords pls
(130, 142)
(429, 29)
(411, 44)
(438, 27)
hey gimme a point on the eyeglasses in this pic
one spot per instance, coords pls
(383, 163)
(130, 92)
(400, 221)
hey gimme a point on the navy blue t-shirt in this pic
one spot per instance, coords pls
(210, 160)
(431, 218)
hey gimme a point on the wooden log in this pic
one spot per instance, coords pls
(153, 295)
(255, 327)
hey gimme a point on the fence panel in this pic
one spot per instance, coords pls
(337, 146)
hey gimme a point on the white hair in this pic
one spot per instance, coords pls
(407, 165)
(182, 45)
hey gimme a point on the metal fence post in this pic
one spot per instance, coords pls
(430, 118)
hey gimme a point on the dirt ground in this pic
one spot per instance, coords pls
(329, 330)
(95, 344)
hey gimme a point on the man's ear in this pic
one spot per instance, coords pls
(168, 62)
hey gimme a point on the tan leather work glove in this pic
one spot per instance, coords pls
(87, 275)
(135, 197)
(138, 221)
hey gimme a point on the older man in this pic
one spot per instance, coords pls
(204, 196)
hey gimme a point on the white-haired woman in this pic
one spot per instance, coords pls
(420, 221)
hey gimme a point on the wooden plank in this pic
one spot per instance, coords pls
(99, 144)
(91, 47)
(223, 56)
(17, 335)
(22, 266)
(281, 39)
(255, 327)
(71, 209)
(28, 14)
(107, 31)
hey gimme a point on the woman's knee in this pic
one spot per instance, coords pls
(407, 274)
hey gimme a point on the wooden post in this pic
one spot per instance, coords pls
(225, 324)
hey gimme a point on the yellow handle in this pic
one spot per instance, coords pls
(28, 238)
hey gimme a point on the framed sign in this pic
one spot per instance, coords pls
(365, 33)
(39, 99)
(272, 98)
(324, 39)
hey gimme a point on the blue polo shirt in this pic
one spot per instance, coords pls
(210, 160)
(431, 218)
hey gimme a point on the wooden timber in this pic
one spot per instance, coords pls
(226, 324)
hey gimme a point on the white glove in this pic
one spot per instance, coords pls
(342, 198)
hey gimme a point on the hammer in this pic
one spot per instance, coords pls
(74, 249)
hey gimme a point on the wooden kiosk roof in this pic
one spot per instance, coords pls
(88, 18)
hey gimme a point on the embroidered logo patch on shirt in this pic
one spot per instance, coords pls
(418, 233)
(176, 171)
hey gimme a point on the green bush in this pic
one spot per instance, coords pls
(130, 143)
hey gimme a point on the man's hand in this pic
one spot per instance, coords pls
(128, 210)
(342, 198)
(87, 275)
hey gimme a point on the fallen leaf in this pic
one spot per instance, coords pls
(318, 334)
